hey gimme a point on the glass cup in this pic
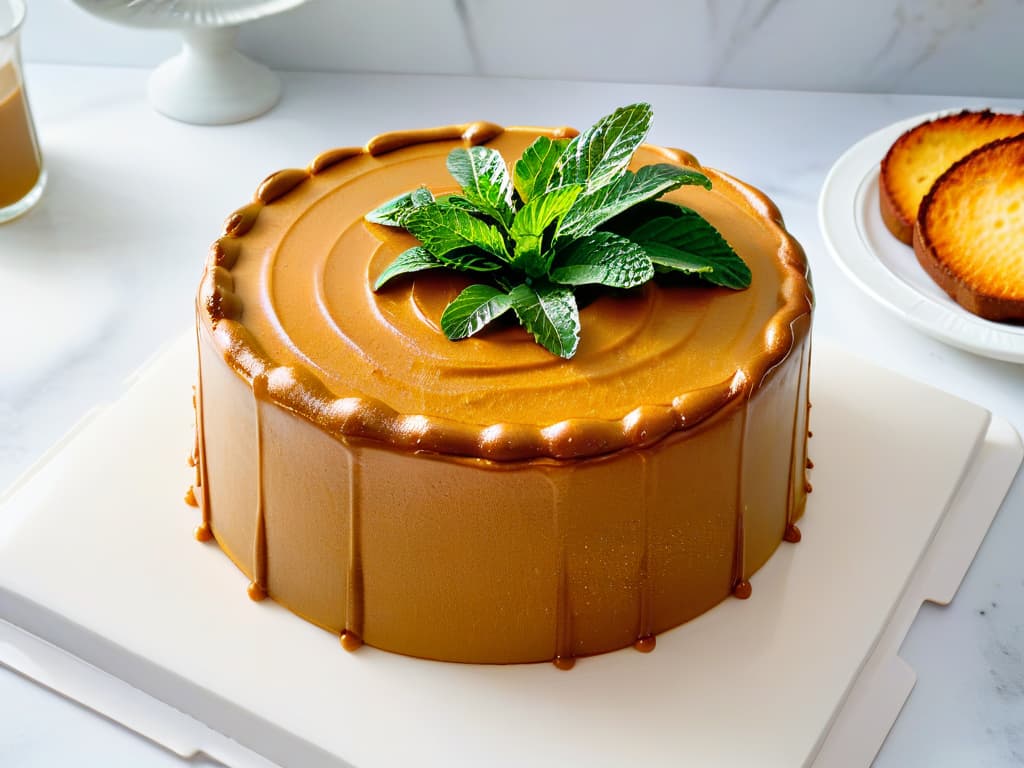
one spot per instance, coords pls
(22, 177)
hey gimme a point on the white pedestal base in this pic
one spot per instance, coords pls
(211, 83)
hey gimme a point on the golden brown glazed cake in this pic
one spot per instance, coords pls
(970, 232)
(484, 500)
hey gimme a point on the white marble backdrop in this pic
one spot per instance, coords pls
(964, 47)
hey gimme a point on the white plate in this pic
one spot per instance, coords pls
(887, 269)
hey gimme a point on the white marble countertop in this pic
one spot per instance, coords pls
(102, 273)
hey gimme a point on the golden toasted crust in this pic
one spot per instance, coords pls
(923, 153)
(969, 234)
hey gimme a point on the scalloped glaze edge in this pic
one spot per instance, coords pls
(301, 391)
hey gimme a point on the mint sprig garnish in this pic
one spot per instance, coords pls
(483, 176)
(569, 214)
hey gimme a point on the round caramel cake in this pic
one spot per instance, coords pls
(485, 500)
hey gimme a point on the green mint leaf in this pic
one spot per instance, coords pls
(483, 176)
(606, 259)
(602, 152)
(533, 171)
(671, 259)
(593, 209)
(695, 241)
(393, 212)
(460, 202)
(473, 309)
(418, 258)
(470, 260)
(631, 218)
(550, 314)
(531, 222)
(443, 229)
(413, 260)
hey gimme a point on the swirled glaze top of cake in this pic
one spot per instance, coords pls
(289, 290)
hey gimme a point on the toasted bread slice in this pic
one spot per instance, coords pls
(921, 154)
(969, 234)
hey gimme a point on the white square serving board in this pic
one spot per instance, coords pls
(106, 597)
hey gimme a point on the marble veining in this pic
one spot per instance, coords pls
(883, 46)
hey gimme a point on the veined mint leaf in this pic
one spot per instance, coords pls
(393, 212)
(483, 176)
(604, 258)
(631, 218)
(533, 171)
(413, 260)
(532, 221)
(593, 209)
(602, 152)
(418, 258)
(695, 241)
(458, 201)
(473, 309)
(671, 259)
(470, 260)
(550, 314)
(443, 229)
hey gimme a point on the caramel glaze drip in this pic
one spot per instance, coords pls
(645, 638)
(352, 635)
(791, 532)
(193, 457)
(350, 641)
(742, 590)
(202, 531)
(808, 488)
(564, 656)
(258, 587)
(741, 587)
(190, 497)
(646, 643)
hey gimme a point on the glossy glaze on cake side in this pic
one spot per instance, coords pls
(484, 500)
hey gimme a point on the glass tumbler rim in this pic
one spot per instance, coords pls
(18, 8)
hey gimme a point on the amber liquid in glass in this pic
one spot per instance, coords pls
(19, 154)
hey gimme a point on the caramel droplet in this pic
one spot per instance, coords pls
(256, 592)
(742, 590)
(808, 487)
(810, 433)
(279, 184)
(332, 157)
(191, 460)
(203, 533)
(564, 663)
(792, 534)
(350, 641)
(190, 497)
(646, 643)
(810, 464)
